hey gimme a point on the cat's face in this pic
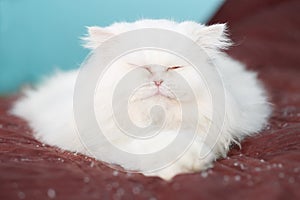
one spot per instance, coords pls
(159, 75)
(154, 76)
(145, 78)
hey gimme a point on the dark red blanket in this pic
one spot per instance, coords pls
(267, 38)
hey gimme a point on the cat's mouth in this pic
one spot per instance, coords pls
(160, 92)
(147, 93)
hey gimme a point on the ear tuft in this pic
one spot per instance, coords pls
(96, 35)
(214, 37)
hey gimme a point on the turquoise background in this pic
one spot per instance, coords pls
(38, 36)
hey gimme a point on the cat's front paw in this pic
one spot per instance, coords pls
(197, 158)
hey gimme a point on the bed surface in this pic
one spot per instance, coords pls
(267, 39)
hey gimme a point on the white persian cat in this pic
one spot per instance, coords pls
(49, 108)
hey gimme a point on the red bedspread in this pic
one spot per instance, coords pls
(267, 38)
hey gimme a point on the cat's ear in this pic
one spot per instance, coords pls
(213, 37)
(96, 35)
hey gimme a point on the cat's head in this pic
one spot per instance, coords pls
(167, 74)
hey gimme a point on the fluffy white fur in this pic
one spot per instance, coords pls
(48, 108)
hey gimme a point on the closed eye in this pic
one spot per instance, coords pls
(144, 67)
(148, 69)
(174, 67)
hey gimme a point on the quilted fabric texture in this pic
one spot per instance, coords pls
(267, 38)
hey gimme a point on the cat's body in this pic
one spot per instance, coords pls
(49, 108)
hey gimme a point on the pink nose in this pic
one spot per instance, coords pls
(158, 83)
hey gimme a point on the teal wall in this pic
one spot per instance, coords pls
(37, 36)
